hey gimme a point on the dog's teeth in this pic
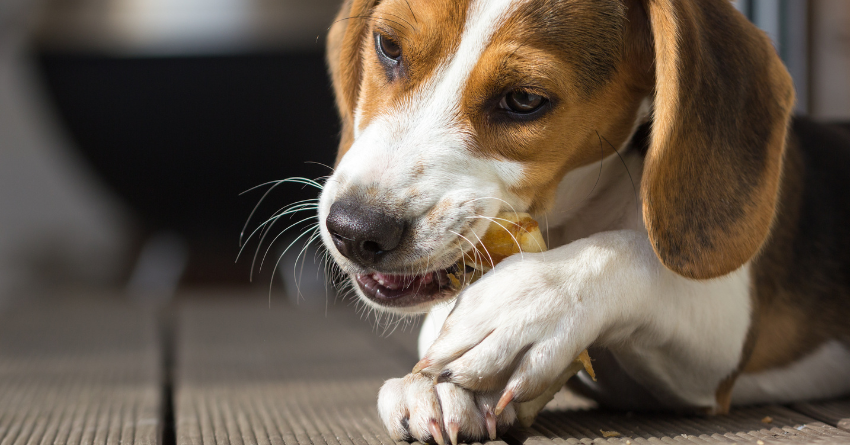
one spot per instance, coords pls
(389, 284)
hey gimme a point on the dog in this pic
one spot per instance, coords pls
(698, 234)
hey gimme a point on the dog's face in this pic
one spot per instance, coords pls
(462, 109)
(453, 110)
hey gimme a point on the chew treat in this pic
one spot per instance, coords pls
(527, 411)
(511, 233)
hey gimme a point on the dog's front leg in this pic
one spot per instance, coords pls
(519, 327)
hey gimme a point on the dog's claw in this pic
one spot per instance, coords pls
(453, 428)
(434, 429)
(490, 419)
(504, 401)
(424, 363)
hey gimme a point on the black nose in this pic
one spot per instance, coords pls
(362, 233)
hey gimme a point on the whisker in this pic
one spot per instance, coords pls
(295, 180)
(631, 181)
(365, 17)
(411, 11)
(515, 224)
(598, 176)
(323, 165)
(267, 230)
(474, 248)
(400, 18)
(298, 278)
(254, 260)
(306, 231)
(257, 206)
(277, 263)
(477, 256)
(498, 199)
(493, 220)
(288, 210)
(487, 251)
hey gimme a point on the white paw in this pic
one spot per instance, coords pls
(516, 330)
(414, 408)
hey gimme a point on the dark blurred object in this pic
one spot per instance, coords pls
(180, 138)
(180, 130)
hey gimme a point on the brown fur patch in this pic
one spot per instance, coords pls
(801, 282)
(572, 53)
(427, 32)
(723, 395)
(723, 100)
(343, 58)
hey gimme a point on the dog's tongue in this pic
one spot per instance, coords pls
(396, 282)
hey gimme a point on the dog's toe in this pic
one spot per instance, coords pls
(461, 417)
(392, 408)
(414, 408)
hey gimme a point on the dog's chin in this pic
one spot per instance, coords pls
(407, 294)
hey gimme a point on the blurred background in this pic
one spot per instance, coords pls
(129, 128)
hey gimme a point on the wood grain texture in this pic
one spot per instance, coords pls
(832, 412)
(742, 425)
(87, 373)
(250, 375)
(92, 373)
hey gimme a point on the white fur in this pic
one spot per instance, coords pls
(425, 132)
(431, 326)
(820, 375)
(677, 336)
(596, 198)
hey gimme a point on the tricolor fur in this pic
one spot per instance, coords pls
(697, 244)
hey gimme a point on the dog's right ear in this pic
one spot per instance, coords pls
(344, 49)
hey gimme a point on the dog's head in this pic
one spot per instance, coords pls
(454, 110)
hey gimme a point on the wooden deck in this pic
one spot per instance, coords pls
(215, 371)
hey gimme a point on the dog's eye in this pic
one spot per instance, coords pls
(389, 48)
(522, 102)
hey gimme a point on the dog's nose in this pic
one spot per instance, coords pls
(362, 233)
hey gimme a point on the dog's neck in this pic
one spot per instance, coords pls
(598, 197)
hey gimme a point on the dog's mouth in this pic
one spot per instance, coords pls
(408, 290)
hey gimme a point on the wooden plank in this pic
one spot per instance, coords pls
(251, 375)
(768, 424)
(79, 373)
(832, 412)
(247, 374)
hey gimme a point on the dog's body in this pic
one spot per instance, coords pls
(706, 262)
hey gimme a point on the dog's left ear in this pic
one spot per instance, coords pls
(722, 104)
(344, 50)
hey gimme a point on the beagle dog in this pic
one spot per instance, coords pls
(698, 235)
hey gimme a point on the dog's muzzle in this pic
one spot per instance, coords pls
(368, 237)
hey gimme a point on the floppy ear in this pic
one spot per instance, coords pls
(722, 104)
(344, 48)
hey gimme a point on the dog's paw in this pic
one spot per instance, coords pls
(414, 408)
(517, 329)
